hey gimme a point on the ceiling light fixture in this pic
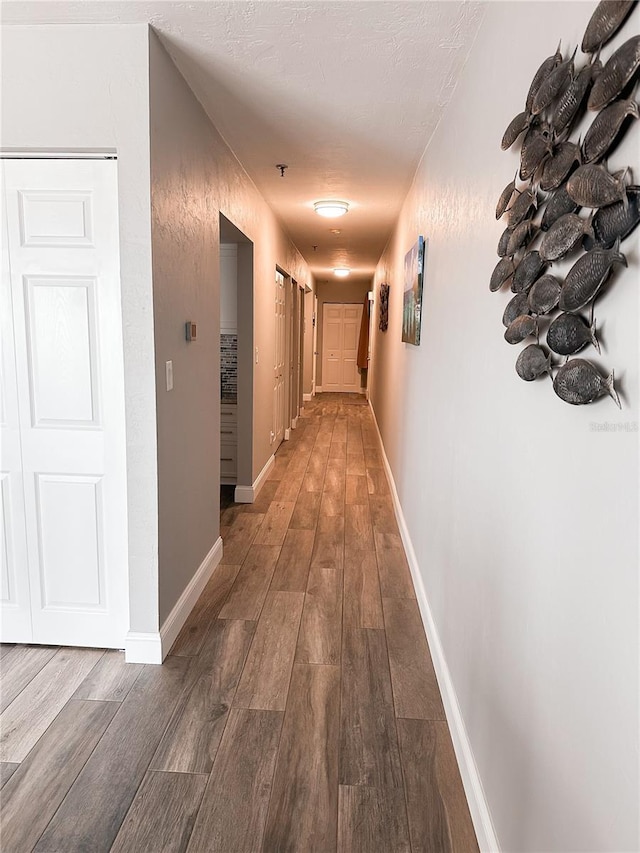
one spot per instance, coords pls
(330, 208)
(341, 272)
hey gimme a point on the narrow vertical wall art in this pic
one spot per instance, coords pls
(384, 308)
(412, 297)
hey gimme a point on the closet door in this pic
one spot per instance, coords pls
(280, 355)
(65, 289)
(15, 599)
(340, 335)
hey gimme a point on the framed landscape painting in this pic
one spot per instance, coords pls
(412, 302)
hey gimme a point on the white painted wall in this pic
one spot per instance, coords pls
(194, 176)
(524, 520)
(229, 287)
(82, 88)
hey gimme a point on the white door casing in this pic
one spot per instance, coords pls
(300, 356)
(279, 360)
(315, 345)
(64, 273)
(340, 336)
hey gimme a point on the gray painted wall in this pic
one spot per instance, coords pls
(523, 515)
(194, 177)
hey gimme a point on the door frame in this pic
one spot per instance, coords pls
(315, 346)
(245, 283)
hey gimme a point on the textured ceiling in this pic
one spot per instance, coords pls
(346, 93)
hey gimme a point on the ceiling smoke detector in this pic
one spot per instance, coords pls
(331, 208)
(341, 272)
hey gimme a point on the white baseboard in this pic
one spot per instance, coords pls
(318, 389)
(154, 647)
(307, 398)
(248, 494)
(287, 434)
(471, 781)
(294, 422)
(143, 647)
(185, 604)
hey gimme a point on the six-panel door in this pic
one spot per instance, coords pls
(65, 555)
(340, 336)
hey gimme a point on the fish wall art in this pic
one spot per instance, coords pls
(567, 203)
(384, 307)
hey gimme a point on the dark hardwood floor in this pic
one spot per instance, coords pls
(298, 709)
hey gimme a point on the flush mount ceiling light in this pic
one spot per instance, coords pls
(341, 272)
(330, 208)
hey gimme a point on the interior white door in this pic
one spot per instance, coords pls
(279, 360)
(63, 266)
(15, 599)
(314, 367)
(300, 358)
(340, 336)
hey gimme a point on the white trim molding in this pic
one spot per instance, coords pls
(307, 398)
(248, 494)
(142, 647)
(471, 781)
(154, 647)
(187, 601)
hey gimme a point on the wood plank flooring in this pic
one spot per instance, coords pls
(297, 711)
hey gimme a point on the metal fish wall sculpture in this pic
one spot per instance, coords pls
(615, 75)
(563, 236)
(559, 204)
(527, 271)
(569, 333)
(561, 175)
(605, 128)
(533, 362)
(594, 186)
(544, 295)
(616, 221)
(579, 382)
(586, 277)
(605, 22)
(516, 307)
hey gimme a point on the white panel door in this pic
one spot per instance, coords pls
(279, 376)
(65, 286)
(351, 318)
(340, 336)
(15, 599)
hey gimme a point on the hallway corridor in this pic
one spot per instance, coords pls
(298, 709)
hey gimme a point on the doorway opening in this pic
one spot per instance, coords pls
(343, 337)
(236, 365)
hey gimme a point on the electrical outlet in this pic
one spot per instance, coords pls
(169, 375)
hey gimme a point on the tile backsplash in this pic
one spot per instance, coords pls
(228, 365)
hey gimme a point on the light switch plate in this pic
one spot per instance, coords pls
(169, 374)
